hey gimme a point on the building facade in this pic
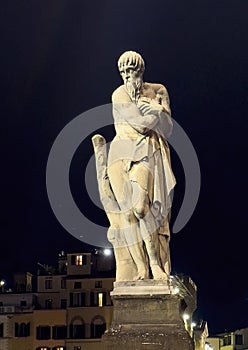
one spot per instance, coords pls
(70, 310)
(236, 340)
(72, 307)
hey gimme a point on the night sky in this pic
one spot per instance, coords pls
(58, 59)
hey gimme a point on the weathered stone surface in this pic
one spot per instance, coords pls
(135, 178)
(147, 316)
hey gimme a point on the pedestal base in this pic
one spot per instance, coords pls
(147, 316)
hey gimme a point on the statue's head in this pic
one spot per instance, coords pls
(131, 60)
(131, 66)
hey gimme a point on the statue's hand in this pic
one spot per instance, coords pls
(150, 108)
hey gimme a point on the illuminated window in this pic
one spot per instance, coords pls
(100, 299)
(43, 348)
(78, 260)
(59, 348)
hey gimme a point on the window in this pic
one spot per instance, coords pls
(77, 331)
(77, 299)
(59, 332)
(48, 304)
(1, 330)
(63, 283)
(48, 283)
(77, 285)
(63, 303)
(227, 340)
(43, 332)
(98, 284)
(59, 348)
(98, 327)
(43, 348)
(22, 329)
(23, 303)
(98, 299)
(238, 339)
(78, 260)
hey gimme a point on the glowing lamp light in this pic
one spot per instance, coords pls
(193, 324)
(185, 317)
(176, 290)
(107, 252)
(2, 283)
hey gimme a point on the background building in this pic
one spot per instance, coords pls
(235, 340)
(72, 307)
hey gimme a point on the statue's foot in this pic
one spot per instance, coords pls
(142, 275)
(158, 273)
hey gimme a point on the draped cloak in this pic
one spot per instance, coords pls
(136, 142)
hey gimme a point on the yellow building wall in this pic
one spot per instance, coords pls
(90, 344)
(214, 342)
(22, 343)
(88, 313)
(48, 318)
(227, 347)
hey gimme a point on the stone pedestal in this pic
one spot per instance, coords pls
(147, 316)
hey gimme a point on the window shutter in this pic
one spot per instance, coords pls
(92, 298)
(82, 299)
(16, 329)
(71, 299)
(71, 330)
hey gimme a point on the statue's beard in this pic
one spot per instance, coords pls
(134, 88)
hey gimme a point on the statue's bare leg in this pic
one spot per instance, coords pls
(130, 227)
(149, 231)
(165, 253)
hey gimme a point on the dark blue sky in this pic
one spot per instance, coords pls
(58, 59)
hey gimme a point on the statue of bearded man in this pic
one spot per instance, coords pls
(139, 168)
(135, 179)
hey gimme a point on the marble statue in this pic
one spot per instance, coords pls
(135, 178)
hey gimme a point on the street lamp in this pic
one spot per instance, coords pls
(107, 252)
(2, 284)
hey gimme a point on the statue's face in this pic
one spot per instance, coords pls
(132, 78)
(130, 74)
